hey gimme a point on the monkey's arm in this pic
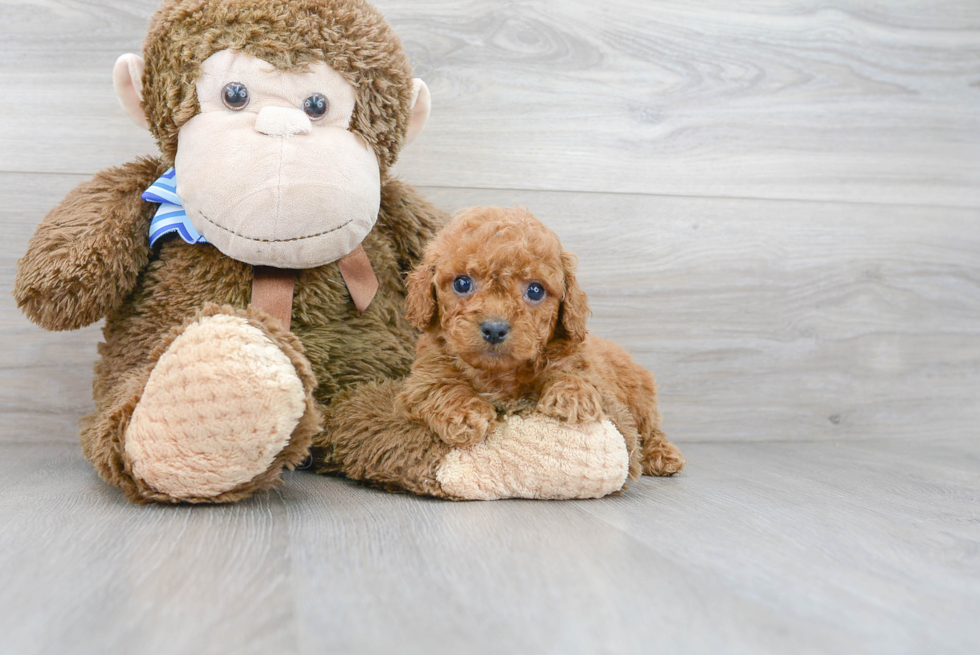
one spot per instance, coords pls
(409, 220)
(86, 254)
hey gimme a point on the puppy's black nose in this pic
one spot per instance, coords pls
(494, 332)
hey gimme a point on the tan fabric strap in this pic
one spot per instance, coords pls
(359, 277)
(272, 292)
(272, 288)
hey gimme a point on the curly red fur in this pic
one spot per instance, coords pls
(547, 356)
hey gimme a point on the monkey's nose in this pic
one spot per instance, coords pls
(494, 332)
(282, 121)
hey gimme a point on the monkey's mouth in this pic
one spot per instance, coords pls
(262, 240)
(277, 210)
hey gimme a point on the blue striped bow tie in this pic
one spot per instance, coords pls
(170, 216)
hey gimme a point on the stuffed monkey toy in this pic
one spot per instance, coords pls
(255, 268)
(263, 270)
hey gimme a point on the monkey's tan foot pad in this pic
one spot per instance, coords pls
(218, 407)
(537, 456)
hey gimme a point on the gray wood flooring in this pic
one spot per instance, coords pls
(776, 206)
(759, 548)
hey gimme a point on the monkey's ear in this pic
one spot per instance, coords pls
(420, 303)
(421, 106)
(127, 78)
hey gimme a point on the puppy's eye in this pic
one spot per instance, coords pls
(535, 292)
(235, 96)
(463, 285)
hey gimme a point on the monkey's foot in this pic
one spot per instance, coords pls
(537, 456)
(218, 409)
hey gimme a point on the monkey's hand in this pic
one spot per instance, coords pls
(88, 251)
(571, 398)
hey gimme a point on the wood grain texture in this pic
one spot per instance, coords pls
(845, 101)
(763, 320)
(83, 571)
(756, 548)
(855, 100)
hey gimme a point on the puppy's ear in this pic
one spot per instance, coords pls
(574, 311)
(420, 305)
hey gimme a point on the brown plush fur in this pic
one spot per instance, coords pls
(367, 439)
(87, 254)
(458, 376)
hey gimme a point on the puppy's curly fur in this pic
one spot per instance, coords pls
(492, 340)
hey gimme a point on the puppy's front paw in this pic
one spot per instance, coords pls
(571, 399)
(469, 422)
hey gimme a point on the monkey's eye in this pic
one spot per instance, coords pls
(316, 106)
(535, 292)
(235, 96)
(463, 285)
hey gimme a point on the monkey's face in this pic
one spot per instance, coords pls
(268, 171)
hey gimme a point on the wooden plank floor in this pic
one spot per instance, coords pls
(760, 548)
(777, 210)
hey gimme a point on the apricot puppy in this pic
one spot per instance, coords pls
(504, 321)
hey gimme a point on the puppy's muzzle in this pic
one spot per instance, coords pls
(494, 332)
